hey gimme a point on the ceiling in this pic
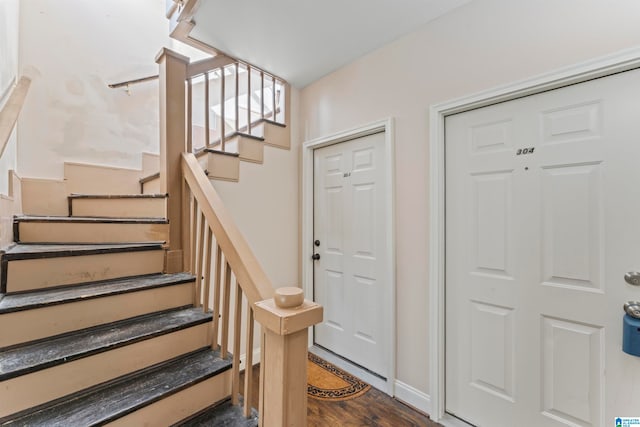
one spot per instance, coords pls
(303, 40)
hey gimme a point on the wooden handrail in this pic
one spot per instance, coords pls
(172, 9)
(230, 283)
(11, 111)
(284, 318)
(200, 67)
(134, 81)
(255, 283)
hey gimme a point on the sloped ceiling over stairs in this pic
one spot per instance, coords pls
(302, 40)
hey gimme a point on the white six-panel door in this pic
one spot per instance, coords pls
(542, 223)
(350, 226)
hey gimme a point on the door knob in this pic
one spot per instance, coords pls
(632, 278)
(632, 308)
(315, 257)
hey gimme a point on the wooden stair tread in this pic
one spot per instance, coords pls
(246, 135)
(88, 219)
(148, 178)
(39, 355)
(271, 122)
(117, 196)
(104, 403)
(224, 153)
(222, 415)
(30, 300)
(35, 251)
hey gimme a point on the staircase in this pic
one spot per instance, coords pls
(93, 331)
(130, 297)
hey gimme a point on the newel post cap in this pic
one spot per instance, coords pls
(288, 297)
(287, 320)
(164, 52)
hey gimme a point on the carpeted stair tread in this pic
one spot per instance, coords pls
(35, 251)
(102, 404)
(29, 300)
(222, 415)
(66, 348)
(88, 219)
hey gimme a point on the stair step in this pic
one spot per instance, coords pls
(52, 312)
(250, 148)
(247, 135)
(124, 401)
(58, 229)
(150, 184)
(222, 415)
(99, 179)
(35, 373)
(118, 206)
(38, 299)
(32, 357)
(276, 134)
(28, 267)
(222, 165)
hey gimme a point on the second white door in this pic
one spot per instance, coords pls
(350, 237)
(542, 225)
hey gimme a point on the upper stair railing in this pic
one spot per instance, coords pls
(205, 240)
(10, 112)
(11, 104)
(226, 97)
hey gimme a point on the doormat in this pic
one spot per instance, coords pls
(328, 382)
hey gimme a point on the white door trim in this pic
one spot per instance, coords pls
(308, 147)
(618, 62)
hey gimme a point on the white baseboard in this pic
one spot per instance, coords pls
(413, 397)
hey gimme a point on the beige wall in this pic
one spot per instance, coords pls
(72, 49)
(264, 204)
(479, 46)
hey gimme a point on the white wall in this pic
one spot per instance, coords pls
(72, 50)
(9, 13)
(481, 45)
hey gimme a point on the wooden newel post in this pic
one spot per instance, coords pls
(173, 73)
(283, 365)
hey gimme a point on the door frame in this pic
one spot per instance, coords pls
(308, 147)
(617, 62)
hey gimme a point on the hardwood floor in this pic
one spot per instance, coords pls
(374, 408)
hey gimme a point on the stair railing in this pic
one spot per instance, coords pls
(213, 75)
(230, 282)
(128, 83)
(10, 111)
(11, 104)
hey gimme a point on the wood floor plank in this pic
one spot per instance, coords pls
(374, 408)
